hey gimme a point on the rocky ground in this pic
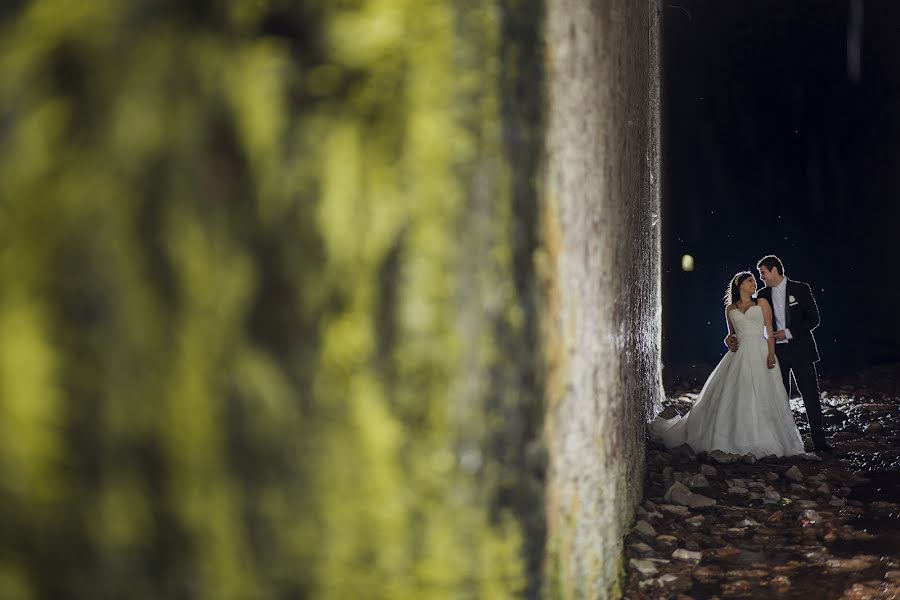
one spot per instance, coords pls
(816, 526)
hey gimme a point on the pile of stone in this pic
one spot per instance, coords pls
(723, 525)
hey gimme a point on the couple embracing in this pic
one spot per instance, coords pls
(743, 406)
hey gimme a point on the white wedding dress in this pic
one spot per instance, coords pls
(743, 406)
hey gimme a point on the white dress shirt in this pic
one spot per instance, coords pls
(779, 306)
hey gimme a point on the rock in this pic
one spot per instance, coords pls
(696, 521)
(695, 482)
(775, 518)
(645, 530)
(700, 501)
(748, 523)
(723, 553)
(849, 533)
(811, 516)
(708, 470)
(707, 574)
(794, 473)
(873, 428)
(892, 576)
(661, 457)
(849, 565)
(780, 584)
(693, 545)
(679, 493)
(683, 452)
(748, 459)
(687, 555)
(809, 533)
(668, 412)
(666, 542)
(811, 457)
(723, 458)
(643, 566)
(675, 510)
(668, 473)
(675, 584)
(817, 556)
(871, 590)
(770, 476)
(772, 495)
(790, 566)
(824, 489)
(746, 574)
(844, 436)
(737, 491)
(736, 589)
(707, 541)
(797, 488)
(641, 549)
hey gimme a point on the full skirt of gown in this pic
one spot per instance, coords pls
(743, 406)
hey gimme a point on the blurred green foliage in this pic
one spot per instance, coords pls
(266, 300)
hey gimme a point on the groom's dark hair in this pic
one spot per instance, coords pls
(769, 262)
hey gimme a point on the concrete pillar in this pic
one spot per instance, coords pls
(601, 234)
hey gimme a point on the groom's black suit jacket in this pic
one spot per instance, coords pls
(801, 316)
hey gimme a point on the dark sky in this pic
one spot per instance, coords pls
(781, 124)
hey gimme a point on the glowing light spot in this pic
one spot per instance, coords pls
(687, 263)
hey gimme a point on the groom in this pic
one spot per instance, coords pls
(795, 315)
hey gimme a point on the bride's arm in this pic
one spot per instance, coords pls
(767, 319)
(730, 339)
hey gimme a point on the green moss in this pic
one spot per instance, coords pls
(257, 302)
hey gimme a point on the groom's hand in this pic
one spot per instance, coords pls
(731, 342)
(780, 336)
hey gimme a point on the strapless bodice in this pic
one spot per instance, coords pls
(748, 324)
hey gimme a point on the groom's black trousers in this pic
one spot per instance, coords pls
(794, 359)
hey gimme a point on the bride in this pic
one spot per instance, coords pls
(743, 406)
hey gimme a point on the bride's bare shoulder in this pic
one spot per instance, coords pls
(762, 302)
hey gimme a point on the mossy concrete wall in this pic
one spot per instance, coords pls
(601, 236)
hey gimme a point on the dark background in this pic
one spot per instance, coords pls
(778, 139)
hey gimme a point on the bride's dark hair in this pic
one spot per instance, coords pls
(732, 291)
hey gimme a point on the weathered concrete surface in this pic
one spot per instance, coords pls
(601, 236)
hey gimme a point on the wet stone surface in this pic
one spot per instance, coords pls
(815, 526)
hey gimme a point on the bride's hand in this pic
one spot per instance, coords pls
(770, 361)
